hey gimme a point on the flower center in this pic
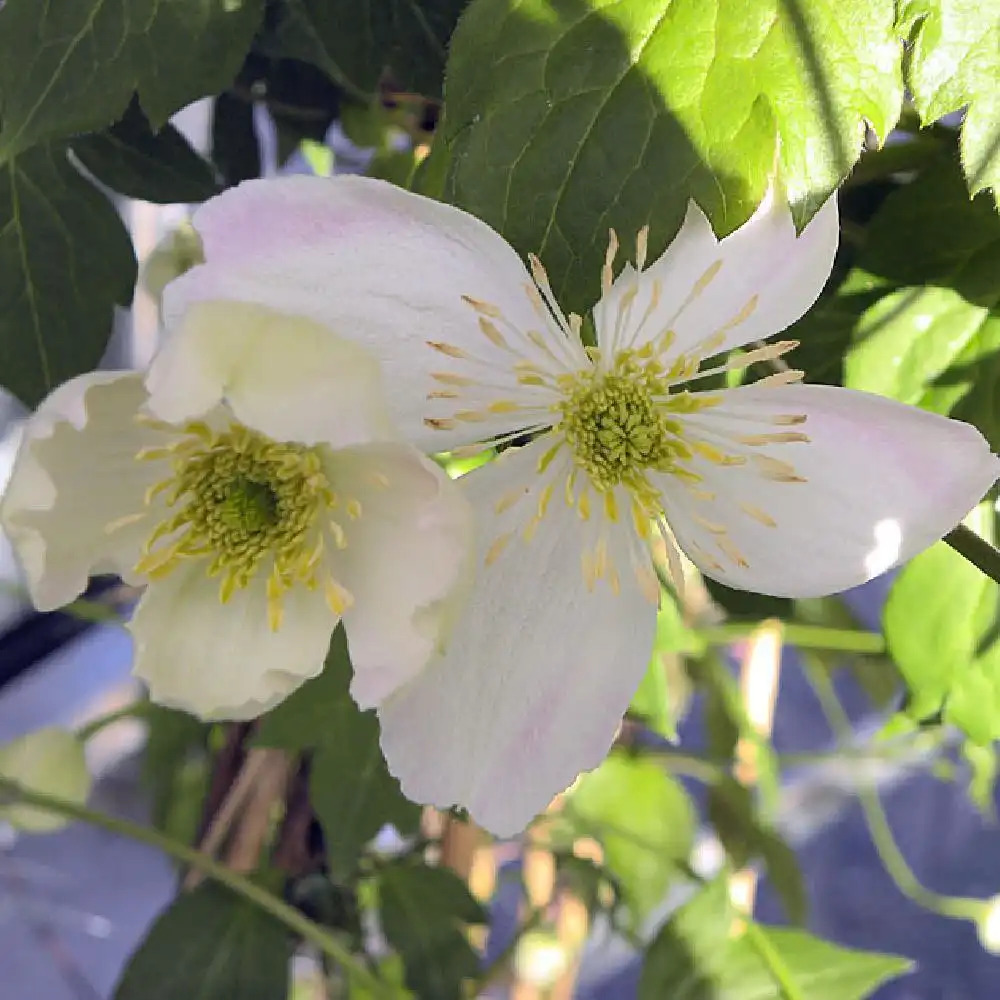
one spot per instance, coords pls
(247, 504)
(616, 430)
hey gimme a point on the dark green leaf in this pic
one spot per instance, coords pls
(350, 786)
(746, 837)
(235, 150)
(65, 261)
(954, 63)
(303, 720)
(424, 912)
(352, 791)
(152, 166)
(209, 945)
(645, 822)
(696, 957)
(567, 117)
(69, 66)
(175, 770)
(354, 41)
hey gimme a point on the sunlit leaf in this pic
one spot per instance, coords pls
(566, 117)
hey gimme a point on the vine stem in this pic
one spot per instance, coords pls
(977, 550)
(804, 636)
(879, 830)
(234, 882)
(772, 959)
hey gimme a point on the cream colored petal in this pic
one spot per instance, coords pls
(76, 473)
(223, 661)
(538, 672)
(376, 265)
(403, 561)
(876, 483)
(748, 286)
(280, 374)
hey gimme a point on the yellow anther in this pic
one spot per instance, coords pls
(449, 378)
(338, 598)
(544, 498)
(494, 551)
(492, 334)
(449, 349)
(486, 308)
(758, 515)
(509, 499)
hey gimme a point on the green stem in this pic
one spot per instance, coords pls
(877, 822)
(795, 634)
(134, 710)
(977, 550)
(783, 977)
(239, 884)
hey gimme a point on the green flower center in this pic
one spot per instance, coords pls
(246, 504)
(620, 423)
(616, 430)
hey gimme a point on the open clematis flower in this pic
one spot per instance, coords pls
(775, 487)
(263, 501)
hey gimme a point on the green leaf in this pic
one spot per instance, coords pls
(134, 160)
(65, 261)
(302, 721)
(424, 912)
(664, 692)
(354, 41)
(71, 66)
(953, 63)
(48, 760)
(175, 770)
(940, 622)
(922, 305)
(350, 787)
(645, 822)
(209, 945)
(566, 117)
(352, 791)
(696, 957)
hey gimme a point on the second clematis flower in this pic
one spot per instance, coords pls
(776, 487)
(261, 500)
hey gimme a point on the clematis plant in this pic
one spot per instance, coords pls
(262, 499)
(608, 450)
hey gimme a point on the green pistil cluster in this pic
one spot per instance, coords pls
(616, 428)
(245, 499)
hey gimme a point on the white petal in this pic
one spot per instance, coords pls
(708, 285)
(884, 481)
(538, 673)
(280, 374)
(76, 473)
(367, 260)
(222, 661)
(403, 561)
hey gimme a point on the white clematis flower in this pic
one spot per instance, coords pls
(776, 487)
(262, 499)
